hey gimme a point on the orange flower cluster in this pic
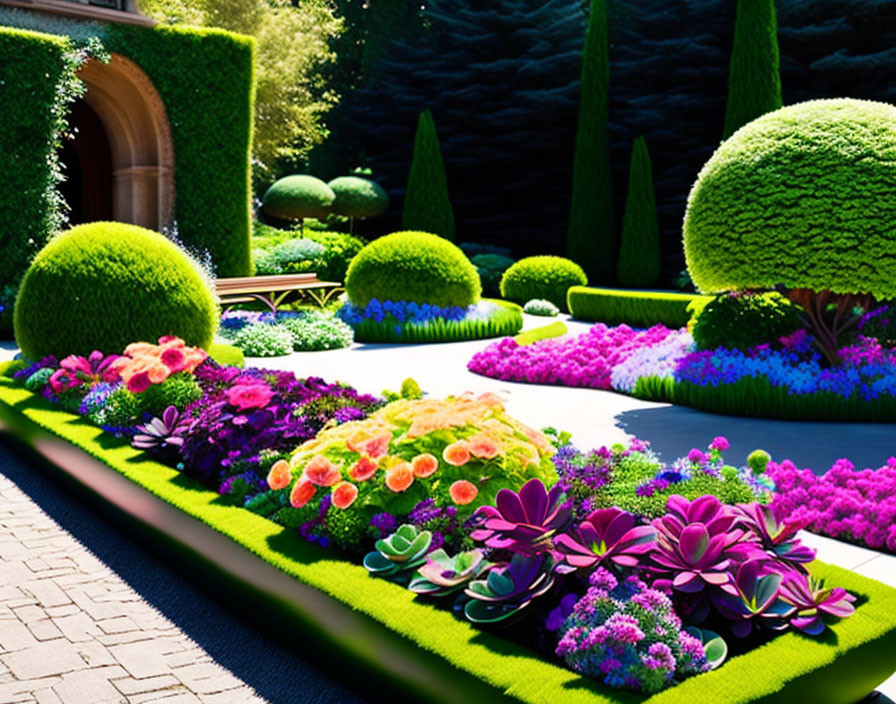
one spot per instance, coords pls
(144, 364)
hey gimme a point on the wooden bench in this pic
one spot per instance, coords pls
(273, 290)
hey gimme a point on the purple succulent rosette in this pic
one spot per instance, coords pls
(443, 574)
(607, 535)
(778, 538)
(523, 522)
(811, 599)
(162, 436)
(696, 542)
(753, 595)
(509, 588)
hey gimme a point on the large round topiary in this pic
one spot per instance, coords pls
(802, 197)
(298, 197)
(358, 197)
(544, 277)
(104, 285)
(412, 266)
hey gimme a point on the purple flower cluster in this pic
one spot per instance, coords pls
(583, 360)
(441, 521)
(858, 506)
(625, 634)
(400, 311)
(582, 474)
(659, 360)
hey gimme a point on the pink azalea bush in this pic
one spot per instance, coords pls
(582, 360)
(858, 506)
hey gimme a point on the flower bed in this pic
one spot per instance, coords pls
(460, 475)
(787, 380)
(275, 334)
(399, 321)
(842, 669)
(856, 506)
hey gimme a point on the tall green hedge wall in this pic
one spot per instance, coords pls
(33, 66)
(205, 79)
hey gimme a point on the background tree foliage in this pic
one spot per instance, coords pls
(292, 50)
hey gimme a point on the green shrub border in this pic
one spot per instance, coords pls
(382, 627)
(641, 309)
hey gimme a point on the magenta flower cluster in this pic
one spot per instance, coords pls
(582, 360)
(857, 506)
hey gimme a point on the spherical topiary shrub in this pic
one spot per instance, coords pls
(298, 197)
(412, 266)
(802, 197)
(104, 285)
(358, 197)
(544, 277)
(743, 320)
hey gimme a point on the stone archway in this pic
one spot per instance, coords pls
(139, 138)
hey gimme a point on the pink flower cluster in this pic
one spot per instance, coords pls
(856, 506)
(584, 360)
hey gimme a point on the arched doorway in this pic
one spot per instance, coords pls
(120, 164)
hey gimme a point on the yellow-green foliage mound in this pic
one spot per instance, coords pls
(413, 266)
(104, 285)
(803, 197)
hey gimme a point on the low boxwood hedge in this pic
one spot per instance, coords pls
(479, 665)
(641, 309)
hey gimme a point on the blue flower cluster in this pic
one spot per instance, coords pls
(866, 370)
(402, 311)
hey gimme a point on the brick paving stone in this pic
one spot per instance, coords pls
(72, 632)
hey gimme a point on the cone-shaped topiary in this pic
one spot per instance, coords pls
(298, 197)
(590, 239)
(801, 198)
(754, 79)
(358, 197)
(418, 267)
(639, 255)
(427, 206)
(104, 285)
(545, 277)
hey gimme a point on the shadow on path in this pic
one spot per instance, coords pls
(673, 430)
(275, 673)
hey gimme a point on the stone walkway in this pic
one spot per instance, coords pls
(72, 632)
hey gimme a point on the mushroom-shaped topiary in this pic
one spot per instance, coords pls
(545, 277)
(801, 199)
(417, 267)
(358, 197)
(104, 285)
(298, 197)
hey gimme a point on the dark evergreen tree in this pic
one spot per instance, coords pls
(754, 80)
(639, 253)
(501, 78)
(590, 238)
(427, 205)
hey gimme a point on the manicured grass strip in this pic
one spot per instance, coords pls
(787, 665)
(757, 397)
(641, 309)
(545, 332)
(226, 355)
(506, 320)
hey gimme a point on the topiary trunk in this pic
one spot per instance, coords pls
(590, 240)
(754, 80)
(427, 207)
(639, 255)
(828, 315)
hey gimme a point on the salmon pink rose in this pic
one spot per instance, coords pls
(378, 445)
(158, 373)
(139, 383)
(424, 465)
(363, 469)
(463, 492)
(321, 472)
(483, 447)
(400, 477)
(302, 492)
(174, 359)
(457, 454)
(279, 476)
(245, 396)
(344, 495)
